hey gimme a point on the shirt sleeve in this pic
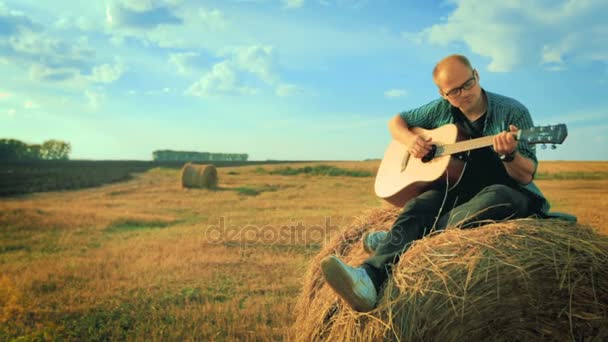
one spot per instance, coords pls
(426, 116)
(523, 120)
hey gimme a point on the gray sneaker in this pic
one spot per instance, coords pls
(371, 240)
(352, 284)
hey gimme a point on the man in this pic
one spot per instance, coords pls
(497, 183)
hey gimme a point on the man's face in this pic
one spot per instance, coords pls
(459, 85)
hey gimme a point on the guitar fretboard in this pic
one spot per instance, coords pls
(467, 145)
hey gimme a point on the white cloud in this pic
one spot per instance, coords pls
(250, 64)
(172, 25)
(184, 62)
(518, 32)
(141, 15)
(414, 38)
(140, 5)
(221, 80)
(94, 98)
(258, 60)
(107, 73)
(395, 93)
(81, 22)
(302, 42)
(109, 18)
(285, 90)
(46, 55)
(66, 75)
(10, 112)
(354, 4)
(29, 105)
(30, 42)
(212, 19)
(293, 3)
(161, 91)
(44, 48)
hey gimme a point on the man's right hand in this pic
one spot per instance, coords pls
(419, 146)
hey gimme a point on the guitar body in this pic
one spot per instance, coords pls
(401, 177)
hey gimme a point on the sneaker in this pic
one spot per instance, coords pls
(352, 284)
(371, 240)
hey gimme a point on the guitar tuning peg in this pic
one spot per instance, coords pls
(543, 146)
(553, 147)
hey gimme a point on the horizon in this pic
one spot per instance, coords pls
(289, 80)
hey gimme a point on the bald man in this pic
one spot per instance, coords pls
(497, 184)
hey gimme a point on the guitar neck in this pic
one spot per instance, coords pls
(467, 145)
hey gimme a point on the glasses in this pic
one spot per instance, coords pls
(465, 86)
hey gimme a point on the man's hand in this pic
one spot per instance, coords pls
(505, 142)
(419, 146)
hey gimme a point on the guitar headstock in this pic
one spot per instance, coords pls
(552, 134)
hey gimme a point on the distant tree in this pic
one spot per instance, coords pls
(55, 150)
(33, 152)
(170, 155)
(12, 149)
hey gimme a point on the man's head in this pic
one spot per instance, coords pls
(458, 82)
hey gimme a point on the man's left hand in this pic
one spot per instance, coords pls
(505, 142)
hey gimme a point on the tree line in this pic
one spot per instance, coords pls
(12, 149)
(188, 156)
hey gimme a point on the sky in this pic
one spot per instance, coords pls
(287, 79)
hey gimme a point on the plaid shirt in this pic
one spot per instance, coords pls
(502, 111)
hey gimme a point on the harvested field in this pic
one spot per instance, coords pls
(146, 259)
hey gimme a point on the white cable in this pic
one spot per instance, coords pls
(448, 188)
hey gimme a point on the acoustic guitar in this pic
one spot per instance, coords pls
(401, 178)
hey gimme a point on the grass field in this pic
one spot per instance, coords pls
(146, 259)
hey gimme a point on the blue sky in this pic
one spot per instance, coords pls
(291, 79)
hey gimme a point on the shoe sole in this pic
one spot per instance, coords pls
(337, 278)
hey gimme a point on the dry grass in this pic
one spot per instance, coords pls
(147, 259)
(519, 280)
(572, 166)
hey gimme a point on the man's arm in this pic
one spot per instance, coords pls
(520, 168)
(416, 145)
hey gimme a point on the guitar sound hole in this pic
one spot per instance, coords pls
(429, 156)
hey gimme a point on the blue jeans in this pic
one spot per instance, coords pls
(433, 210)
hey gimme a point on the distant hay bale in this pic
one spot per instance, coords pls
(199, 176)
(513, 281)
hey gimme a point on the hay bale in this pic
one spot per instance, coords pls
(518, 280)
(199, 176)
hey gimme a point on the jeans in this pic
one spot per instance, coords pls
(436, 210)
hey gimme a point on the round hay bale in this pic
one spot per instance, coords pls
(518, 280)
(199, 176)
(188, 175)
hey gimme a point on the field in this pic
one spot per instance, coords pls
(22, 177)
(146, 259)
